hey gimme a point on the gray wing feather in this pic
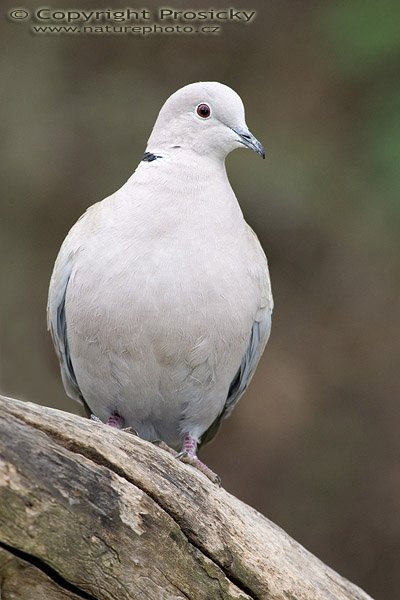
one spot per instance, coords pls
(258, 339)
(57, 325)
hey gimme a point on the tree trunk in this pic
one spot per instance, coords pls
(87, 511)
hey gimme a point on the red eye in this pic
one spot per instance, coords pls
(203, 110)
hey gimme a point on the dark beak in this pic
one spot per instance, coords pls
(247, 139)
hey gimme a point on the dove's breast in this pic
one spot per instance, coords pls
(159, 310)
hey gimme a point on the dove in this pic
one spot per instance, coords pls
(160, 300)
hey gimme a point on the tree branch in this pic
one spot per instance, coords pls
(90, 512)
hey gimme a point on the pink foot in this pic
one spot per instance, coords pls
(114, 420)
(188, 455)
(189, 445)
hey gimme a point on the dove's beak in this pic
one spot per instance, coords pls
(247, 139)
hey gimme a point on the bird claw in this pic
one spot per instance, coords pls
(186, 458)
(95, 419)
(115, 421)
(183, 456)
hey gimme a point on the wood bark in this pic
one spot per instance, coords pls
(90, 512)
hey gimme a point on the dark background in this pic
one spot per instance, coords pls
(314, 445)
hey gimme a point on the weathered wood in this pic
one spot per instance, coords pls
(91, 512)
(20, 580)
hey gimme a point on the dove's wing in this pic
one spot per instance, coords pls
(258, 339)
(56, 322)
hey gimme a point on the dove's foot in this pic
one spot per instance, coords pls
(200, 466)
(189, 457)
(114, 420)
(95, 419)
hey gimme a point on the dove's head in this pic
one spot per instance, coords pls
(207, 118)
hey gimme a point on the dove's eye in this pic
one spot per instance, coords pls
(203, 110)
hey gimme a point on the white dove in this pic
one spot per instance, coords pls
(160, 300)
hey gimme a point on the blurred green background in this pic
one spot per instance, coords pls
(315, 443)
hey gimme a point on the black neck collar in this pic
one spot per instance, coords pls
(149, 157)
